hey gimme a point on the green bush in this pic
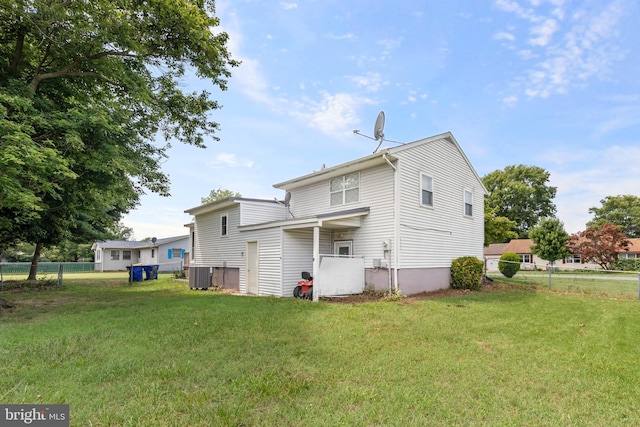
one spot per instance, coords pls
(511, 266)
(627, 264)
(466, 273)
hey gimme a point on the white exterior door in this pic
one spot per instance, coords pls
(252, 267)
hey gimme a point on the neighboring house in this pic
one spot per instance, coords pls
(393, 219)
(530, 261)
(116, 255)
(521, 247)
(633, 250)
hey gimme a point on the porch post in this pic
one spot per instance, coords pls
(316, 261)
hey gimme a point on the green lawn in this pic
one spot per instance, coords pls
(618, 285)
(157, 354)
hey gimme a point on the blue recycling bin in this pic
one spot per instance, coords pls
(136, 273)
(151, 272)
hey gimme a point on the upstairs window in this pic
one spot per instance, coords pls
(468, 203)
(426, 189)
(224, 221)
(345, 189)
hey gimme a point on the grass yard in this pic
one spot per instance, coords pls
(620, 285)
(157, 354)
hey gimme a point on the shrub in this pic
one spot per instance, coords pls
(511, 264)
(627, 264)
(466, 273)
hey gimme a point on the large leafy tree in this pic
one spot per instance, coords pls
(623, 211)
(550, 240)
(497, 229)
(600, 245)
(522, 194)
(85, 90)
(218, 194)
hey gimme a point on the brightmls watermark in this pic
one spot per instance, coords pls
(34, 415)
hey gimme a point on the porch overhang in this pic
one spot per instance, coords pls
(351, 218)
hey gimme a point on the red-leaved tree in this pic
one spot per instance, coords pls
(600, 245)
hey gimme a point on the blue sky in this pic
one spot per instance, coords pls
(552, 83)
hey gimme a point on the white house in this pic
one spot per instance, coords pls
(392, 219)
(116, 255)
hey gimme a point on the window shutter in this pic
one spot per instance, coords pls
(182, 251)
(170, 253)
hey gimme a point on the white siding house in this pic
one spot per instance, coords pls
(406, 211)
(116, 255)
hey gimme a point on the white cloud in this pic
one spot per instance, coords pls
(333, 114)
(248, 76)
(543, 32)
(288, 6)
(372, 82)
(348, 36)
(569, 49)
(502, 35)
(229, 160)
(584, 177)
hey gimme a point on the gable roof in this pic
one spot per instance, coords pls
(224, 204)
(380, 157)
(519, 246)
(495, 249)
(141, 244)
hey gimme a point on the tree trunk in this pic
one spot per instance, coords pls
(33, 270)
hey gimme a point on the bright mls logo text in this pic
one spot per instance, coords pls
(36, 415)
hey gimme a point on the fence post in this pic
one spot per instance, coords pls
(59, 274)
(550, 267)
(639, 286)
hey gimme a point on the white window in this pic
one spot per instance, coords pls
(98, 253)
(224, 225)
(626, 255)
(342, 247)
(115, 255)
(345, 189)
(525, 258)
(126, 255)
(426, 189)
(573, 259)
(468, 203)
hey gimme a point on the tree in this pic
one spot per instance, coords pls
(85, 90)
(218, 194)
(550, 240)
(600, 245)
(522, 194)
(623, 211)
(497, 229)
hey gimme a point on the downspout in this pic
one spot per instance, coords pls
(395, 244)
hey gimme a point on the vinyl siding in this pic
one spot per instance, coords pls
(212, 249)
(376, 192)
(252, 212)
(432, 237)
(269, 260)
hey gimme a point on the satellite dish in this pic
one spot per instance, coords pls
(154, 240)
(378, 128)
(287, 198)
